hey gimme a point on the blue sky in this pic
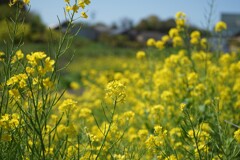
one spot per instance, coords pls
(109, 11)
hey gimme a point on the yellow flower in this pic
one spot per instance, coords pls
(2, 54)
(158, 130)
(116, 91)
(150, 142)
(75, 8)
(33, 57)
(151, 42)
(87, 2)
(203, 43)
(160, 45)
(30, 70)
(14, 93)
(12, 2)
(39, 55)
(9, 121)
(119, 157)
(84, 15)
(194, 41)
(237, 135)
(68, 8)
(143, 134)
(13, 123)
(192, 78)
(182, 106)
(167, 96)
(195, 34)
(20, 78)
(129, 115)
(165, 38)
(172, 157)
(22, 83)
(173, 32)
(71, 131)
(49, 151)
(140, 55)
(81, 4)
(19, 55)
(180, 23)
(5, 117)
(220, 26)
(13, 80)
(74, 85)
(67, 1)
(67, 105)
(180, 19)
(177, 41)
(84, 113)
(47, 83)
(26, 2)
(180, 15)
(49, 64)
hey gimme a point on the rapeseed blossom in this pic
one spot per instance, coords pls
(237, 135)
(79, 5)
(173, 32)
(74, 85)
(18, 55)
(140, 55)
(9, 121)
(151, 42)
(195, 37)
(180, 19)
(26, 2)
(220, 26)
(160, 45)
(13, 2)
(67, 105)
(84, 15)
(116, 91)
(177, 41)
(2, 56)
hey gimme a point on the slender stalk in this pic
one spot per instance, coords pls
(108, 130)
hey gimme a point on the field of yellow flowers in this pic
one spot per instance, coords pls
(159, 105)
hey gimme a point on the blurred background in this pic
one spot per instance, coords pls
(127, 21)
(119, 28)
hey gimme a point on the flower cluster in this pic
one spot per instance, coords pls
(220, 26)
(180, 19)
(35, 74)
(81, 4)
(177, 35)
(116, 91)
(9, 121)
(13, 2)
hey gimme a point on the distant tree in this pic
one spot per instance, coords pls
(155, 24)
(35, 26)
(4, 2)
(114, 25)
(35, 22)
(166, 25)
(142, 25)
(126, 23)
(100, 24)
